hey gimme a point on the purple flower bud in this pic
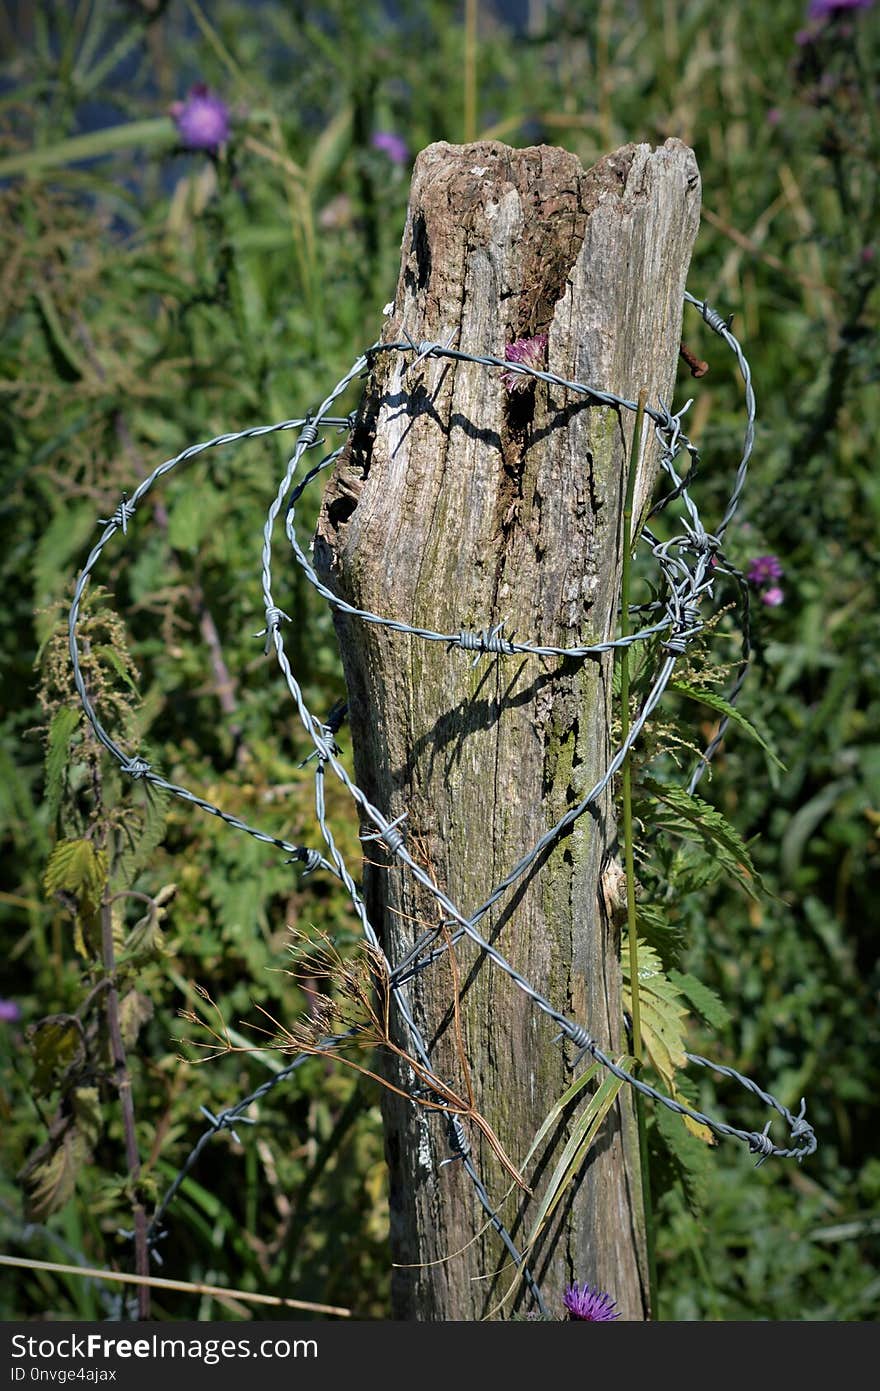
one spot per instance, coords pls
(773, 597)
(394, 146)
(763, 569)
(202, 120)
(583, 1302)
(9, 1012)
(530, 353)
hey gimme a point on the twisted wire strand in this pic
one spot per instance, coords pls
(687, 587)
(689, 563)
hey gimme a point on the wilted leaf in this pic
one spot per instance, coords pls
(662, 1013)
(135, 1010)
(145, 941)
(57, 1045)
(86, 1106)
(697, 1129)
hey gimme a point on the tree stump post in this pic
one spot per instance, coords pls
(461, 503)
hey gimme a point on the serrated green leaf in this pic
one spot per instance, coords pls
(680, 813)
(64, 724)
(75, 866)
(723, 707)
(688, 1156)
(693, 869)
(704, 1000)
(662, 1014)
(658, 928)
(145, 828)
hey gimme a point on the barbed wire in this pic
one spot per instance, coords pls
(690, 563)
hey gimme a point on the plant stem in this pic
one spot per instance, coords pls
(628, 859)
(629, 864)
(122, 1078)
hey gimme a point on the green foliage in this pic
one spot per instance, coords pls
(723, 707)
(64, 723)
(663, 1013)
(153, 297)
(674, 812)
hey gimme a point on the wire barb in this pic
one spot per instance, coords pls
(121, 517)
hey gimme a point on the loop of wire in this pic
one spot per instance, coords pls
(690, 564)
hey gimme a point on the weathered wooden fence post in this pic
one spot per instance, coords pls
(462, 503)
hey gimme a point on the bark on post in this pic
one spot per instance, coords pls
(458, 505)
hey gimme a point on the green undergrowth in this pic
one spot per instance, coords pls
(154, 297)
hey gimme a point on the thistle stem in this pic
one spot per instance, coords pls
(629, 864)
(628, 858)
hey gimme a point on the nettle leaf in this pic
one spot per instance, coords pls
(692, 869)
(86, 1105)
(688, 1159)
(143, 831)
(680, 813)
(135, 1010)
(57, 1045)
(49, 1181)
(75, 866)
(704, 1000)
(64, 724)
(661, 931)
(723, 707)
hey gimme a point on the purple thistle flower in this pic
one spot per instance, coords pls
(394, 146)
(583, 1302)
(9, 1012)
(821, 9)
(202, 120)
(530, 353)
(763, 569)
(773, 597)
